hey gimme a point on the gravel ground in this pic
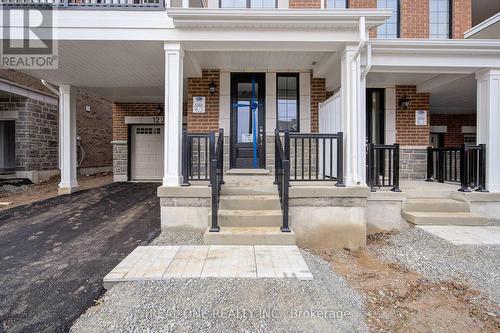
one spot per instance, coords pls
(178, 238)
(229, 305)
(439, 260)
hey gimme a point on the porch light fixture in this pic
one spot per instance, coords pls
(404, 103)
(159, 109)
(212, 87)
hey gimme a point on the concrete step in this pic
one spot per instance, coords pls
(231, 190)
(248, 180)
(249, 218)
(435, 205)
(248, 172)
(444, 218)
(249, 236)
(245, 202)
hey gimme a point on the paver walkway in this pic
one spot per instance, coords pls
(202, 261)
(466, 235)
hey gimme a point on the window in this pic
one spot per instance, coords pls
(336, 3)
(439, 19)
(287, 99)
(470, 139)
(390, 29)
(248, 4)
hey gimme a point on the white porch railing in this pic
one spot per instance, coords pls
(330, 121)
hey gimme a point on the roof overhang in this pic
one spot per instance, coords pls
(296, 19)
(488, 29)
(435, 56)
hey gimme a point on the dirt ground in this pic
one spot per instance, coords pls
(399, 300)
(55, 252)
(48, 189)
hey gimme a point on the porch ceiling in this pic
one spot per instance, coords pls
(122, 71)
(258, 60)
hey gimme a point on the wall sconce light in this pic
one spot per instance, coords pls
(404, 103)
(212, 87)
(159, 109)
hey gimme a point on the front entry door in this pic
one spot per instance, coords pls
(248, 120)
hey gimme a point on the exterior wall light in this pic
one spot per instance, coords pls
(212, 87)
(404, 103)
(159, 109)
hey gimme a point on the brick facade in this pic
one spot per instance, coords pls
(94, 127)
(414, 18)
(24, 80)
(454, 122)
(305, 3)
(407, 133)
(120, 110)
(208, 121)
(461, 17)
(318, 95)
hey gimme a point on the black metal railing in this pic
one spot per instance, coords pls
(88, 4)
(195, 157)
(465, 164)
(383, 166)
(216, 174)
(282, 174)
(443, 164)
(317, 157)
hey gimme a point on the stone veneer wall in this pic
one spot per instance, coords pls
(413, 163)
(36, 133)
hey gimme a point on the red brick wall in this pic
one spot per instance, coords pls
(203, 122)
(454, 122)
(120, 110)
(414, 16)
(462, 17)
(305, 3)
(94, 129)
(318, 95)
(407, 133)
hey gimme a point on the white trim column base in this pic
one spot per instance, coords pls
(67, 139)
(488, 123)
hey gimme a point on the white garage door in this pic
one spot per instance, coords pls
(147, 152)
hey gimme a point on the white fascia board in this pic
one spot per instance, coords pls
(269, 18)
(444, 56)
(483, 26)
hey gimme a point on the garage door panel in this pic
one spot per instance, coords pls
(147, 152)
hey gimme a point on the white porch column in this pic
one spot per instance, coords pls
(488, 123)
(67, 139)
(353, 118)
(174, 55)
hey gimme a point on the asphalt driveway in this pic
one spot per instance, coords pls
(54, 253)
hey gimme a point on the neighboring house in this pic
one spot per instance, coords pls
(397, 75)
(29, 123)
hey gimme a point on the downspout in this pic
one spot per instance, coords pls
(50, 87)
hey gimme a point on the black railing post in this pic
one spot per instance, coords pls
(287, 158)
(482, 169)
(395, 181)
(464, 186)
(441, 166)
(430, 165)
(340, 160)
(371, 166)
(221, 157)
(185, 159)
(276, 152)
(214, 183)
(286, 180)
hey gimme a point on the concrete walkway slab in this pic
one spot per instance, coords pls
(218, 261)
(466, 235)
